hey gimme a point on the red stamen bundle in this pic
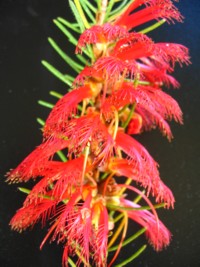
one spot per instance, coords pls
(115, 95)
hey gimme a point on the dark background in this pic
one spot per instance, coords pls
(24, 28)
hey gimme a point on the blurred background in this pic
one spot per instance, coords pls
(24, 28)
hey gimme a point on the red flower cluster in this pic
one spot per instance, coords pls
(117, 95)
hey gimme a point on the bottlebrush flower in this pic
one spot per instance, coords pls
(158, 238)
(87, 145)
(153, 9)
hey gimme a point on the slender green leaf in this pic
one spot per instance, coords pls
(45, 104)
(129, 240)
(139, 197)
(76, 66)
(69, 77)
(144, 82)
(81, 13)
(129, 116)
(82, 59)
(70, 37)
(70, 25)
(110, 206)
(56, 94)
(109, 8)
(92, 8)
(98, 4)
(66, 32)
(70, 261)
(154, 26)
(41, 121)
(156, 206)
(120, 216)
(119, 10)
(62, 156)
(56, 72)
(87, 11)
(27, 191)
(134, 256)
(24, 190)
(77, 16)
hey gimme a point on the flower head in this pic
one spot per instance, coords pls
(87, 145)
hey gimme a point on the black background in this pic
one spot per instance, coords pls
(24, 28)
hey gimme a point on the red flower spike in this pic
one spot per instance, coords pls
(164, 103)
(90, 36)
(101, 235)
(29, 215)
(88, 130)
(133, 46)
(35, 162)
(138, 156)
(62, 215)
(86, 229)
(146, 168)
(119, 87)
(100, 34)
(157, 76)
(174, 53)
(153, 9)
(65, 108)
(163, 193)
(152, 118)
(62, 175)
(110, 66)
(123, 167)
(153, 105)
(86, 74)
(113, 32)
(79, 231)
(158, 240)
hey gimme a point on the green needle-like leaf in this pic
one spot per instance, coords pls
(82, 59)
(55, 94)
(81, 13)
(56, 72)
(134, 256)
(70, 261)
(109, 8)
(87, 10)
(70, 37)
(119, 10)
(119, 7)
(61, 156)
(72, 26)
(76, 66)
(129, 116)
(66, 32)
(24, 190)
(77, 15)
(41, 121)
(154, 26)
(45, 104)
(27, 191)
(129, 240)
(91, 7)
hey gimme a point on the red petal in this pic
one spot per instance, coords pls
(154, 9)
(34, 163)
(158, 239)
(65, 108)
